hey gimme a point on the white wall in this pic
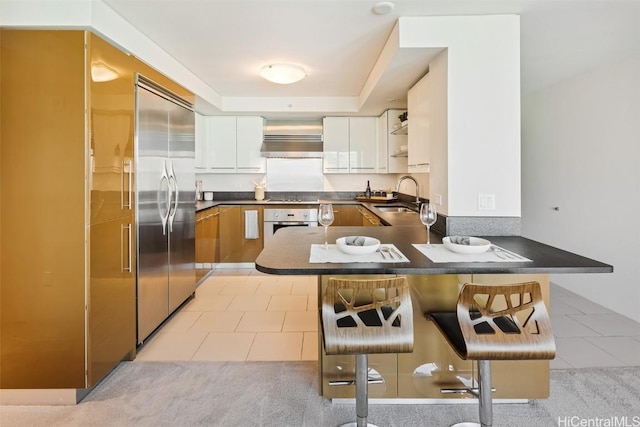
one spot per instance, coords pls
(581, 153)
(483, 106)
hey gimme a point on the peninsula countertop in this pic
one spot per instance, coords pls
(288, 254)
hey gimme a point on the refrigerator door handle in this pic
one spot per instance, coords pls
(163, 205)
(174, 195)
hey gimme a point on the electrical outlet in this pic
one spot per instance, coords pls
(437, 199)
(486, 202)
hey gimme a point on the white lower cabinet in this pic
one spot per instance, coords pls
(230, 144)
(350, 144)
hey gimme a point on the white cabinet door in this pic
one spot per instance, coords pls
(249, 140)
(362, 144)
(419, 124)
(382, 160)
(222, 144)
(202, 146)
(336, 144)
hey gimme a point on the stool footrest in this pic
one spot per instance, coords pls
(473, 391)
(371, 380)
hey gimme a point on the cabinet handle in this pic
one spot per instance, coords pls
(126, 168)
(125, 245)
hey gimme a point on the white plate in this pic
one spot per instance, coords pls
(369, 245)
(466, 244)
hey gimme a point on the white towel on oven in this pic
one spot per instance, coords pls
(251, 225)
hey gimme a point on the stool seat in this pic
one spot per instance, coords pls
(362, 317)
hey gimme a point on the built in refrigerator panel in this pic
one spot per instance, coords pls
(182, 270)
(294, 175)
(153, 204)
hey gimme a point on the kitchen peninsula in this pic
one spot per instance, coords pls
(432, 365)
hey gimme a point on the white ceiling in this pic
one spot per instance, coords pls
(226, 42)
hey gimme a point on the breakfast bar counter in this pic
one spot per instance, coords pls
(434, 287)
(288, 253)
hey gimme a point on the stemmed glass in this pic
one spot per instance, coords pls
(428, 216)
(325, 218)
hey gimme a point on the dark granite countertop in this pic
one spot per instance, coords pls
(288, 254)
(386, 217)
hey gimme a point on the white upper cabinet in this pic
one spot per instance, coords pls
(202, 150)
(350, 144)
(222, 144)
(336, 144)
(229, 144)
(392, 143)
(362, 144)
(418, 103)
(249, 135)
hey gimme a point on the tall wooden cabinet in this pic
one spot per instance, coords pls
(68, 277)
(67, 220)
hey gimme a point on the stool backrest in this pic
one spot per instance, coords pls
(367, 316)
(507, 322)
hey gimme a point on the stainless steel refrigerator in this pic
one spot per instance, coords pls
(165, 184)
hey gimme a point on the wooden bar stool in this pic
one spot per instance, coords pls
(366, 316)
(496, 322)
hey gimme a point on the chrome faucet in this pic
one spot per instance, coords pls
(417, 202)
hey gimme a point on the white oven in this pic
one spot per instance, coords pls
(275, 219)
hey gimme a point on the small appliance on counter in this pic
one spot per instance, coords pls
(208, 196)
(198, 190)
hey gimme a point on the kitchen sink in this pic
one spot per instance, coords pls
(395, 209)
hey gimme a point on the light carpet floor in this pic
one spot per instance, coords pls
(285, 394)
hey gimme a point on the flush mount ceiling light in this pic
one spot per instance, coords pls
(382, 7)
(283, 74)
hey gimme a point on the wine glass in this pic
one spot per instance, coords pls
(428, 216)
(325, 218)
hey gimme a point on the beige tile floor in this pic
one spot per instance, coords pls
(242, 314)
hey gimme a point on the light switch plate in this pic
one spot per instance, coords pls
(486, 202)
